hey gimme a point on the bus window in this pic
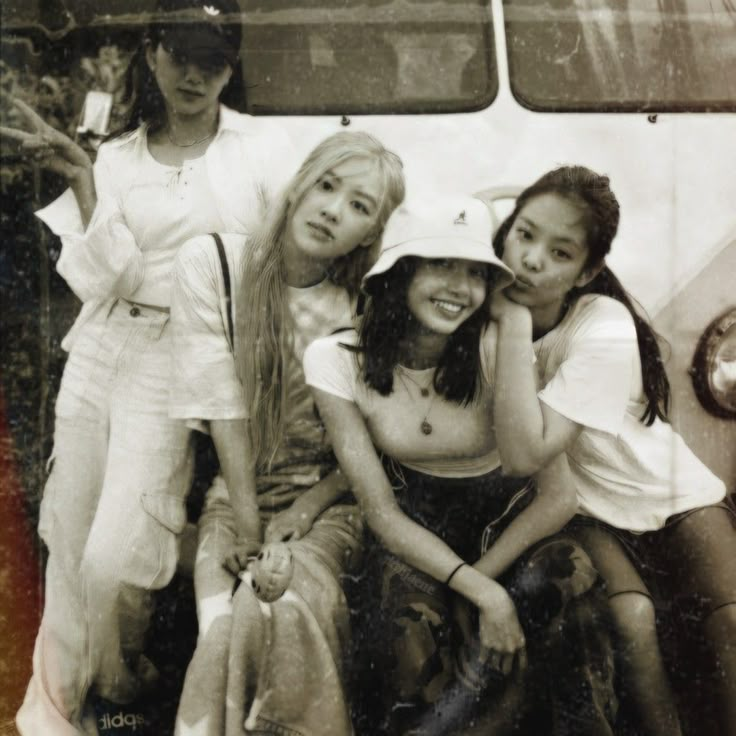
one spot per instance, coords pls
(332, 56)
(313, 56)
(623, 55)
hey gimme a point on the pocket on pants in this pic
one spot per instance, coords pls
(157, 548)
(167, 509)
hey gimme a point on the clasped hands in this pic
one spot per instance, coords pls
(288, 525)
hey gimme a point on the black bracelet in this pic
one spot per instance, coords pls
(452, 574)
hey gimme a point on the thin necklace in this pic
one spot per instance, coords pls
(425, 426)
(187, 145)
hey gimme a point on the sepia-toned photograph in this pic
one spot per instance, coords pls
(368, 367)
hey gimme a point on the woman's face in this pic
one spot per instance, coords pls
(189, 84)
(546, 249)
(445, 292)
(338, 212)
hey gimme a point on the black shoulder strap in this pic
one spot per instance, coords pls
(228, 288)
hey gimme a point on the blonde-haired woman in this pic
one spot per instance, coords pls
(238, 369)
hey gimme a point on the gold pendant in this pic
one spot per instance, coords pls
(426, 427)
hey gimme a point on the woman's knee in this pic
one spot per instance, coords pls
(110, 562)
(100, 566)
(634, 617)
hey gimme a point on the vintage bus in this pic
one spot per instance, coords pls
(480, 96)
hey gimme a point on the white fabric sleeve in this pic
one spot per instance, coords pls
(270, 154)
(330, 367)
(204, 384)
(104, 260)
(593, 384)
(282, 164)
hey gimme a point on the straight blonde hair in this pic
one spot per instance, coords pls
(264, 325)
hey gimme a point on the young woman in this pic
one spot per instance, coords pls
(407, 401)
(296, 279)
(646, 500)
(184, 165)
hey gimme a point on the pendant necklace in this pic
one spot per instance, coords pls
(425, 426)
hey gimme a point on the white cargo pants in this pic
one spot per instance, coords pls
(111, 515)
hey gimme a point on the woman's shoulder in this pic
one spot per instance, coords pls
(199, 256)
(595, 310)
(121, 144)
(251, 126)
(334, 342)
(331, 364)
(335, 348)
(263, 144)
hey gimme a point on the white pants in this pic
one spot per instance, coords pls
(111, 515)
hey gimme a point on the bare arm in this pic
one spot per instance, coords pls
(399, 534)
(529, 433)
(405, 538)
(297, 520)
(554, 505)
(238, 470)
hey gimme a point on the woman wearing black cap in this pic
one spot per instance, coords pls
(113, 507)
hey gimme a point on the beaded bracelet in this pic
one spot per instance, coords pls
(452, 574)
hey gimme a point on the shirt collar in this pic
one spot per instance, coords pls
(229, 120)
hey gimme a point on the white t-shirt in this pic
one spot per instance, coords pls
(205, 384)
(146, 210)
(462, 442)
(627, 474)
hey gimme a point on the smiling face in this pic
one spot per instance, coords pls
(445, 292)
(337, 213)
(546, 248)
(190, 83)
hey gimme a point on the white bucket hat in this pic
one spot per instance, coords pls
(452, 226)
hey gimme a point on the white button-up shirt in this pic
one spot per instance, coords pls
(146, 210)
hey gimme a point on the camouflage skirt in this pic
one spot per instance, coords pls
(432, 681)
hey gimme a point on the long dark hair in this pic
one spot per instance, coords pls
(387, 320)
(141, 93)
(592, 194)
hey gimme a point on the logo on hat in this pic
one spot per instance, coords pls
(460, 219)
(211, 10)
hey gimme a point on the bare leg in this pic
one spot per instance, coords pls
(645, 682)
(720, 630)
(644, 673)
(701, 550)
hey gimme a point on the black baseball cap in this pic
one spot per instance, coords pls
(199, 29)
